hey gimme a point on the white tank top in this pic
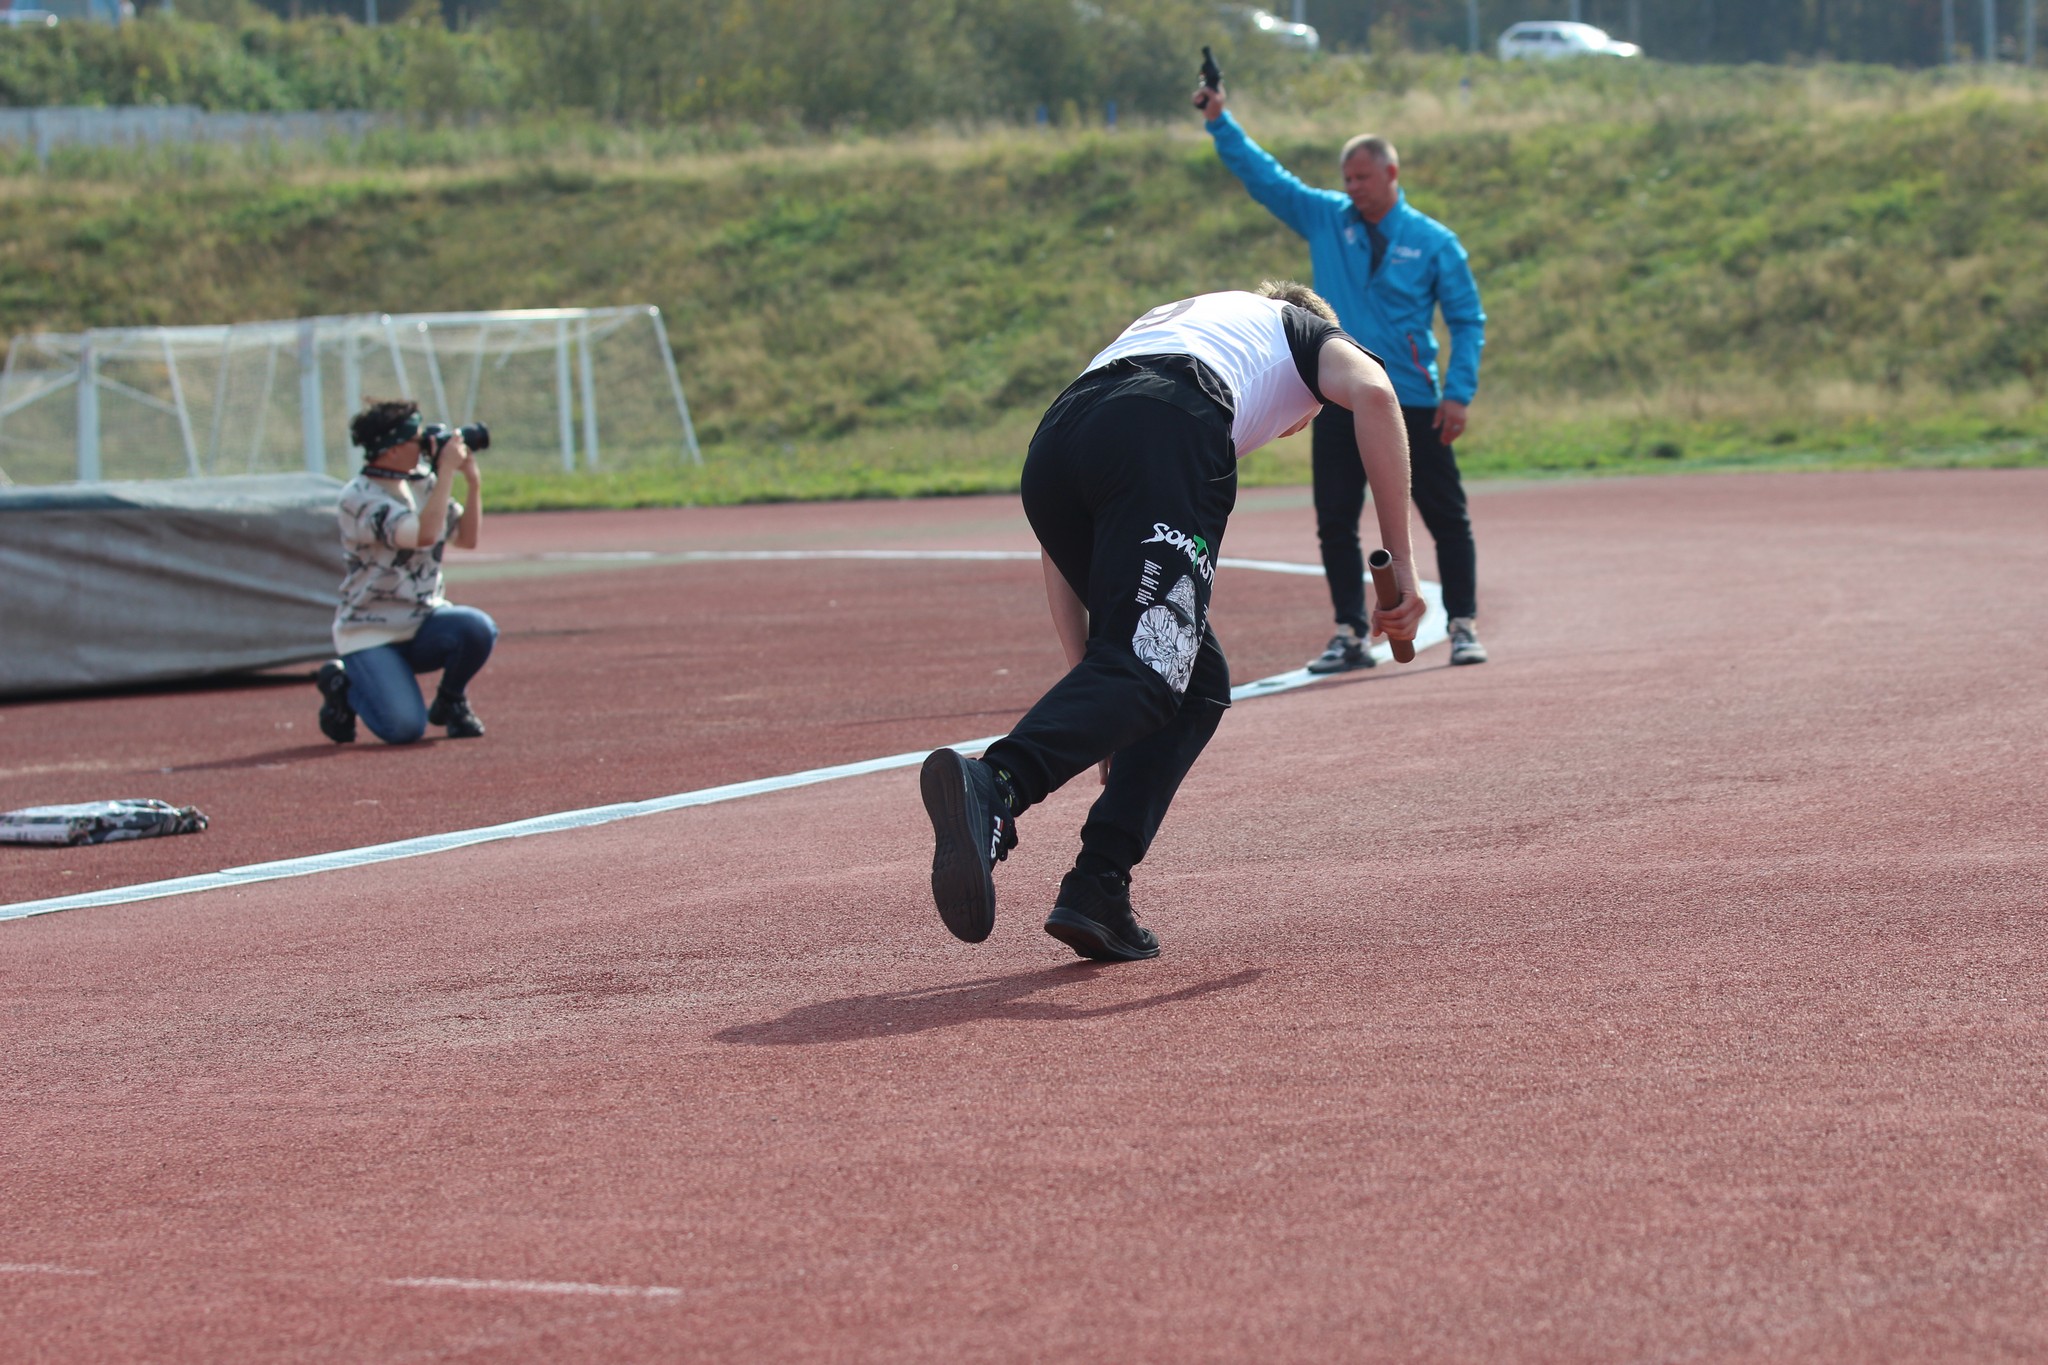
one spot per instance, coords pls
(1242, 338)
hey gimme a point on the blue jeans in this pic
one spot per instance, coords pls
(456, 640)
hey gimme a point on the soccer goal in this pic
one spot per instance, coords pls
(567, 388)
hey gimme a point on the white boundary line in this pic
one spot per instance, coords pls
(712, 556)
(1432, 632)
(621, 1291)
(645, 557)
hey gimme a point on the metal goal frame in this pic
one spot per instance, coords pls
(41, 366)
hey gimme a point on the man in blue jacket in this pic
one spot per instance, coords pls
(1385, 268)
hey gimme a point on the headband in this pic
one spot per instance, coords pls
(405, 431)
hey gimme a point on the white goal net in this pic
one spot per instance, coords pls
(560, 388)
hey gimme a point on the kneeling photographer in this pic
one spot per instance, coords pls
(393, 621)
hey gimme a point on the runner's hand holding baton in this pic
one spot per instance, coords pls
(1393, 603)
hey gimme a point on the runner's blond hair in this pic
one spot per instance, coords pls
(1300, 295)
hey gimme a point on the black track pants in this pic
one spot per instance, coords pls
(1128, 494)
(1439, 496)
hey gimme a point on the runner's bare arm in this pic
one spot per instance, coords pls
(1351, 379)
(1070, 620)
(1069, 616)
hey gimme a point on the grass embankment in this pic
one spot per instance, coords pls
(1683, 267)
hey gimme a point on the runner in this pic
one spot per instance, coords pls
(1129, 482)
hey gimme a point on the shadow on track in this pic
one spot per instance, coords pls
(895, 1013)
(283, 758)
(273, 758)
(287, 676)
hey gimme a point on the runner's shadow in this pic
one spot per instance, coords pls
(1383, 674)
(892, 1014)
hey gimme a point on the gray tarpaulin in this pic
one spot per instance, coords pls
(111, 583)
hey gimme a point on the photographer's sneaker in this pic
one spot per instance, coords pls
(1347, 650)
(454, 713)
(337, 717)
(1465, 646)
(1093, 916)
(972, 831)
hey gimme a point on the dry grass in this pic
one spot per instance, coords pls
(1732, 265)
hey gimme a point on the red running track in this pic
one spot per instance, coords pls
(613, 684)
(1671, 987)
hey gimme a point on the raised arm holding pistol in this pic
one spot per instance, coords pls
(1209, 98)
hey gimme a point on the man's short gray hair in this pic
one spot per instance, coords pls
(1381, 149)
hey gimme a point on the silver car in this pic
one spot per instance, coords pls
(1553, 38)
(1274, 29)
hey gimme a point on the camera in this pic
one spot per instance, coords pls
(476, 436)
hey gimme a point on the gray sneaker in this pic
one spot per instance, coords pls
(1345, 652)
(1465, 646)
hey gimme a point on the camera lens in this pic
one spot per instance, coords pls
(477, 436)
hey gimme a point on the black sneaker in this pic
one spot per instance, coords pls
(1345, 652)
(972, 831)
(1093, 917)
(337, 717)
(454, 713)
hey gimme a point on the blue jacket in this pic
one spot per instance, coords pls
(1388, 312)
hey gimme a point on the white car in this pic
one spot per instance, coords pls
(1560, 38)
(1280, 32)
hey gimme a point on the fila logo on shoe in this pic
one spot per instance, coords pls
(1194, 547)
(995, 842)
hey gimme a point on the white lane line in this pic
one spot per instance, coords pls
(734, 556)
(1280, 566)
(737, 556)
(32, 1268)
(617, 1291)
(1432, 632)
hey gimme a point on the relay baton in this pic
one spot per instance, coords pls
(1389, 592)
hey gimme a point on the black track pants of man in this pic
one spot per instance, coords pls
(1128, 484)
(1439, 495)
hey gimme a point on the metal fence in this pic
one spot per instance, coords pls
(47, 129)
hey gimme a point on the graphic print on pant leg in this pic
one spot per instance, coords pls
(1148, 583)
(1168, 636)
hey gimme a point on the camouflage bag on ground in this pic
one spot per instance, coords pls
(98, 822)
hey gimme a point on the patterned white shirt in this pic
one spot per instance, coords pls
(386, 592)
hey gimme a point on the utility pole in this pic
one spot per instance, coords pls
(370, 13)
(1635, 21)
(1948, 32)
(1990, 51)
(1300, 11)
(2027, 33)
(1472, 27)
(1577, 11)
